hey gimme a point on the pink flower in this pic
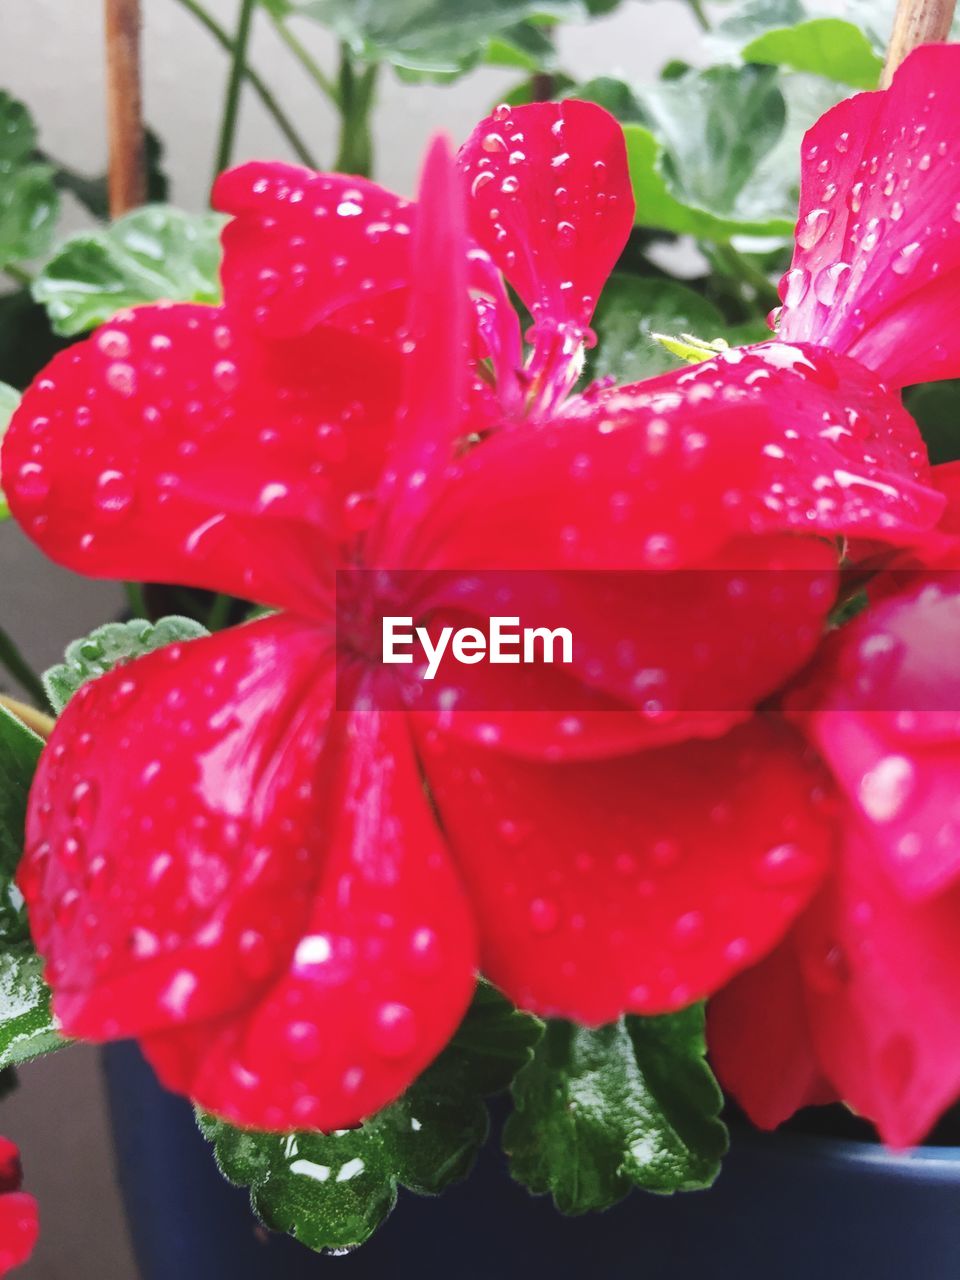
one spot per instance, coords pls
(230, 852)
(18, 1211)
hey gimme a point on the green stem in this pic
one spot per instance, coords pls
(219, 613)
(305, 58)
(136, 599)
(734, 265)
(696, 8)
(282, 120)
(18, 274)
(18, 667)
(231, 102)
(356, 99)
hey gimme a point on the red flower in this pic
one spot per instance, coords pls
(230, 864)
(18, 1211)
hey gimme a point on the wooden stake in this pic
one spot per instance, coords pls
(127, 168)
(38, 721)
(916, 22)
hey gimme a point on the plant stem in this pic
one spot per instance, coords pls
(696, 8)
(280, 117)
(18, 274)
(219, 613)
(736, 266)
(136, 599)
(305, 58)
(127, 169)
(231, 104)
(356, 98)
(20, 669)
(916, 22)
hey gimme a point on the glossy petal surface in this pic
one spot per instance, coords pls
(172, 829)
(171, 447)
(883, 706)
(637, 884)
(306, 247)
(382, 973)
(550, 200)
(877, 261)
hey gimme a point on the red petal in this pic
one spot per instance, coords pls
(760, 1041)
(876, 270)
(11, 1172)
(19, 1227)
(305, 247)
(882, 977)
(171, 829)
(551, 202)
(169, 447)
(883, 706)
(379, 979)
(637, 884)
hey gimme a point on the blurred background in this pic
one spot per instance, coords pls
(51, 55)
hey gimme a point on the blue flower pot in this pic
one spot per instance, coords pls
(785, 1207)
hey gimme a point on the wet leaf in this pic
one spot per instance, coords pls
(152, 254)
(108, 647)
(9, 399)
(631, 310)
(26, 1025)
(630, 1104)
(331, 1191)
(28, 198)
(828, 47)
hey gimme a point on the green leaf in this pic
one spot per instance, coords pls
(108, 647)
(828, 47)
(631, 1104)
(28, 198)
(715, 154)
(631, 310)
(26, 1025)
(435, 37)
(9, 399)
(331, 1191)
(152, 254)
(936, 408)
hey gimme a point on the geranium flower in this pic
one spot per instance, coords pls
(18, 1211)
(230, 854)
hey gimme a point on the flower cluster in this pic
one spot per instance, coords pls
(247, 875)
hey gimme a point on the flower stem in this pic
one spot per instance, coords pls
(231, 104)
(219, 613)
(356, 99)
(736, 266)
(136, 599)
(18, 667)
(697, 9)
(281, 119)
(18, 274)
(305, 58)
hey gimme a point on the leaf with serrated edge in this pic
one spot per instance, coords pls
(157, 253)
(331, 1191)
(600, 1111)
(26, 1025)
(107, 647)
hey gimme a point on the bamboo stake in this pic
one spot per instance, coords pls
(916, 22)
(127, 183)
(39, 722)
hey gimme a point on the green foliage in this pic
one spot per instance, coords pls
(631, 310)
(936, 408)
(433, 37)
(630, 1104)
(152, 254)
(331, 1191)
(26, 1025)
(28, 197)
(107, 647)
(9, 399)
(789, 33)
